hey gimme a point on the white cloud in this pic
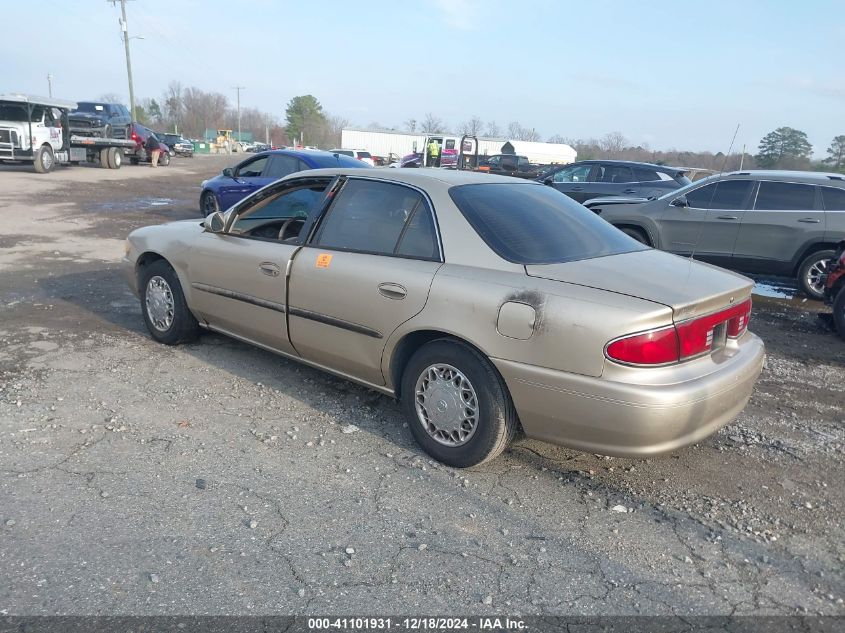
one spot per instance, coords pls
(459, 14)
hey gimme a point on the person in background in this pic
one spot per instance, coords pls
(152, 147)
(434, 153)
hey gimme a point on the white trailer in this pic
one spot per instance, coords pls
(385, 143)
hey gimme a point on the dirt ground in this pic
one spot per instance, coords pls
(215, 478)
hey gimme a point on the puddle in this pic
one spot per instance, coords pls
(783, 291)
(774, 290)
(136, 204)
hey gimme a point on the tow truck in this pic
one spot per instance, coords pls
(36, 130)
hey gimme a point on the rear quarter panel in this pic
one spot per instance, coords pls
(572, 323)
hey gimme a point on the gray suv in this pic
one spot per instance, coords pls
(783, 223)
(601, 178)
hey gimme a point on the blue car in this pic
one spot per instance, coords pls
(236, 183)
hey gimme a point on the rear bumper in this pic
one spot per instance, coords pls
(599, 415)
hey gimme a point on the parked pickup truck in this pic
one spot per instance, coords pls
(509, 165)
(103, 120)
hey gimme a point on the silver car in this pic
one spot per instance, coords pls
(485, 304)
(773, 222)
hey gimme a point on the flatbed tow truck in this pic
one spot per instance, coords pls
(36, 130)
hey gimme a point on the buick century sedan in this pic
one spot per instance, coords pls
(487, 305)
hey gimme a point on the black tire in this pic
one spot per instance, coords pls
(637, 234)
(44, 160)
(115, 157)
(839, 312)
(183, 327)
(496, 420)
(104, 157)
(164, 159)
(208, 203)
(107, 131)
(810, 270)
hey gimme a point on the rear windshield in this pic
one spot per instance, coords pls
(364, 155)
(536, 224)
(90, 107)
(337, 159)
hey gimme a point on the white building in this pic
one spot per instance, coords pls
(385, 143)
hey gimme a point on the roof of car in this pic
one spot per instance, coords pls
(632, 163)
(782, 174)
(420, 176)
(36, 100)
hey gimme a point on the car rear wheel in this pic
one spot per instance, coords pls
(839, 312)
(163, 304)
(164, 159)
(208, 204)
(811, 273)
(115, 157)
(44, 160)
(457, 405)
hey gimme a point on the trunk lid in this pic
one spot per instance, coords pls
(689, 287)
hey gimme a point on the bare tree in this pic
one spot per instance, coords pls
(172, 102)
(410, 125)
(514, 130)
(431, 124)
(613, 143)
(472, 127)
(556, 138)
(111, 97)
(492, 129)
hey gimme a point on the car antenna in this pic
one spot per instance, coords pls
(713, 195)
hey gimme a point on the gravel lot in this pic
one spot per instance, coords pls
(215, 478)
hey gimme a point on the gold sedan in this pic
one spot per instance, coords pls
(485, 304)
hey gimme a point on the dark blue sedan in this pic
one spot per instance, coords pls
(236, 183)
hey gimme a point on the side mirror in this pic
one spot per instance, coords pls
(680, 201)
(215, 223)
(549, 180)
(229, 172)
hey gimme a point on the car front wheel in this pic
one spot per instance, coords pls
(163, 304)
(208, 204)
(457, 405)
(812, 271)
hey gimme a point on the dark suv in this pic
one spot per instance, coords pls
(106, 120)
(177, 144)
(784, 223)
(601, 178)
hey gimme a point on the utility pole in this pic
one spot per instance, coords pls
(125, 29)
(50, 85)
(742, 159)
(238, 89)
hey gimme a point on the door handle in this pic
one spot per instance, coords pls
(809, 220)
(269, 268)
(392, 291)
(727, 217)
(577, 188)
(630, 191)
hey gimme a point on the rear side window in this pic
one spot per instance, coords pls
(833, 198)
(532, 224)
(379, 218)
(616, 174)
(281, 166)
(364, 155)
(785, 196)
(726, 194)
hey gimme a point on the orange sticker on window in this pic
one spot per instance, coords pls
(323, 260)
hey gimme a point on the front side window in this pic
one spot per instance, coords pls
(785, 196)
(726, 194)
(532, 224)
(379, 218)
(579, 173)
(252, 169)
(268, 216)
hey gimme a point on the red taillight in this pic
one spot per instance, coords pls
(683, 341)
(135, 137)
(655, 347)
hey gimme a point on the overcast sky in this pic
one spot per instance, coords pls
(669, 74)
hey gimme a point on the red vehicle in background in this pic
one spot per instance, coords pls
(139, 154)
(834, 289)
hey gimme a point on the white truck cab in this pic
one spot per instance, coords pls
(32, 130)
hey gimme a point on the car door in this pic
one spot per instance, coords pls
(610, 179)
(784, 218)
(705, 220)
(246, 178)
(238, 277)
(281, 165)
(572, 181)
(367, 270)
